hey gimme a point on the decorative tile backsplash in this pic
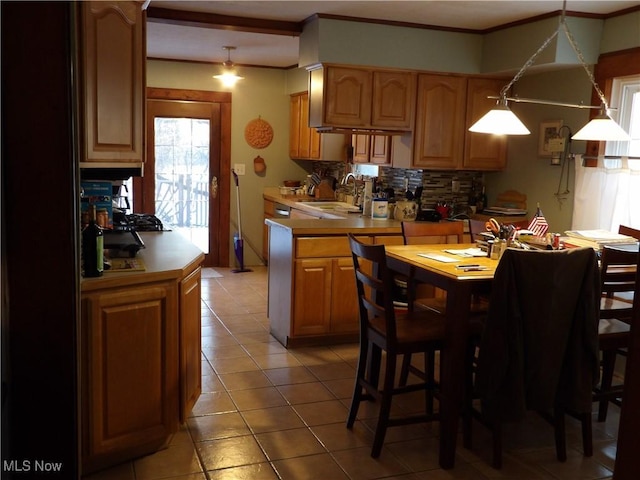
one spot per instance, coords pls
(437, 185)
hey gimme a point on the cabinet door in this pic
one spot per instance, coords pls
(112, 49)
(482, 151)
(347, 97)
(304, 142)
(394, 96)
(312, 297)
(361, 145)
(129, 372)
(344, 298)
(440, 116)
(294, 126)
(190, 343)
(380, 150)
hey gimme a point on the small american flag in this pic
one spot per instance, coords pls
(539, 225)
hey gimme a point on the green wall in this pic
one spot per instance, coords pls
(265, 92)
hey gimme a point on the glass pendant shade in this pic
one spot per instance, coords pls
(602, 128)
(228, 76)
(500, 121)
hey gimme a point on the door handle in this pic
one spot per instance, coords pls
(213, 188)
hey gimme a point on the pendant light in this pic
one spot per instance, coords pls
(502, 121)
(228, 77)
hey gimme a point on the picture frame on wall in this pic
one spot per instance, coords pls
(548, 131)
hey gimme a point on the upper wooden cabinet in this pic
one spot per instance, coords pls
(374, 149)
(112, 72)
(305, 143)
(440, 117)
(446, 107)
(361, 98)
(482, 151)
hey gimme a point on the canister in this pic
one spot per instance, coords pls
(379, 207)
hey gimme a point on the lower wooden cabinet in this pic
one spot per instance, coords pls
(325, 299)
(130, 372)
(312, 288)
(190, 342)
(140, 367)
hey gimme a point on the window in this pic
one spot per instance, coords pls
(625, 92)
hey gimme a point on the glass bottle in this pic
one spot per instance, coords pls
(92, 246)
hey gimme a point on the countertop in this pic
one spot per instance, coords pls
(330, 223)
(167, 256)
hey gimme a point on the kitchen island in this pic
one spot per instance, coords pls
(140, 352)
(312, 293)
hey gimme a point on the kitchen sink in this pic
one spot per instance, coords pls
(330, 205)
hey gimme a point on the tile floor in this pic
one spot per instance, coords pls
(270, 413)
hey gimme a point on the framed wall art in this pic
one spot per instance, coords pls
(548, 131)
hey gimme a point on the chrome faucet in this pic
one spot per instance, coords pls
(345, 181)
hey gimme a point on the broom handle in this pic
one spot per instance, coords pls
(235, 177)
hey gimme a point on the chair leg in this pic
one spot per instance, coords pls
(357, 389)
(587, 434)
(496, 433)
(404, 371)
(467, 415)
(385, 405)
(560, 434)
(430, 378)
(608, 366)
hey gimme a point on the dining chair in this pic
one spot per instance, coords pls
(617, 277)
(635, 233)
(383, 329)
(431, 299)
(539, 347)
(414, 233)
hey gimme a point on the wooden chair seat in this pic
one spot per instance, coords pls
(383, 329)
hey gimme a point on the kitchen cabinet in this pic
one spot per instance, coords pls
(361, 98)
(129, 372)
(374, 149)
(306, 143)
(112, 71)
(446, 107)
(190, 342)
(140, 352)
(482, 151)
(440, 119)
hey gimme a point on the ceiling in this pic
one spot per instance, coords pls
(198, 30)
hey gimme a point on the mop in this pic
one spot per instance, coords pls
(238, 244)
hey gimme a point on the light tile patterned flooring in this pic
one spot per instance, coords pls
(270, 413)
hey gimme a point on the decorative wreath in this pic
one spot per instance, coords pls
(258, 133)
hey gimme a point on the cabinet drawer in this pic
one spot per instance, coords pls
(315, 247)
(269, 208)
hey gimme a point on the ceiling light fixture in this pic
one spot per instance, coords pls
(502, 121)
(228, 76)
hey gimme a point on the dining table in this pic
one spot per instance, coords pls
(449, 267)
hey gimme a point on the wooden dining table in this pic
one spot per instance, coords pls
(461, 279)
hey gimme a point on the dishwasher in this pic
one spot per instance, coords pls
(281, 211)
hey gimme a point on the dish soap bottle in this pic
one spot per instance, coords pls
(93, 246)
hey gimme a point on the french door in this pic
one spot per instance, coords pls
(186, 174)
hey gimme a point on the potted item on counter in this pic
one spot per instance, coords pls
(406, 210)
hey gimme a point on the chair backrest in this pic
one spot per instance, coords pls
(617, 270)
(632, 232)
(432, 232)
(374, 283)
(539, 347)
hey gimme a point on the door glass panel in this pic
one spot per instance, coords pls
(182, 177)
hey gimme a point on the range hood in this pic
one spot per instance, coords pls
(110, 170)
(361, 131)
